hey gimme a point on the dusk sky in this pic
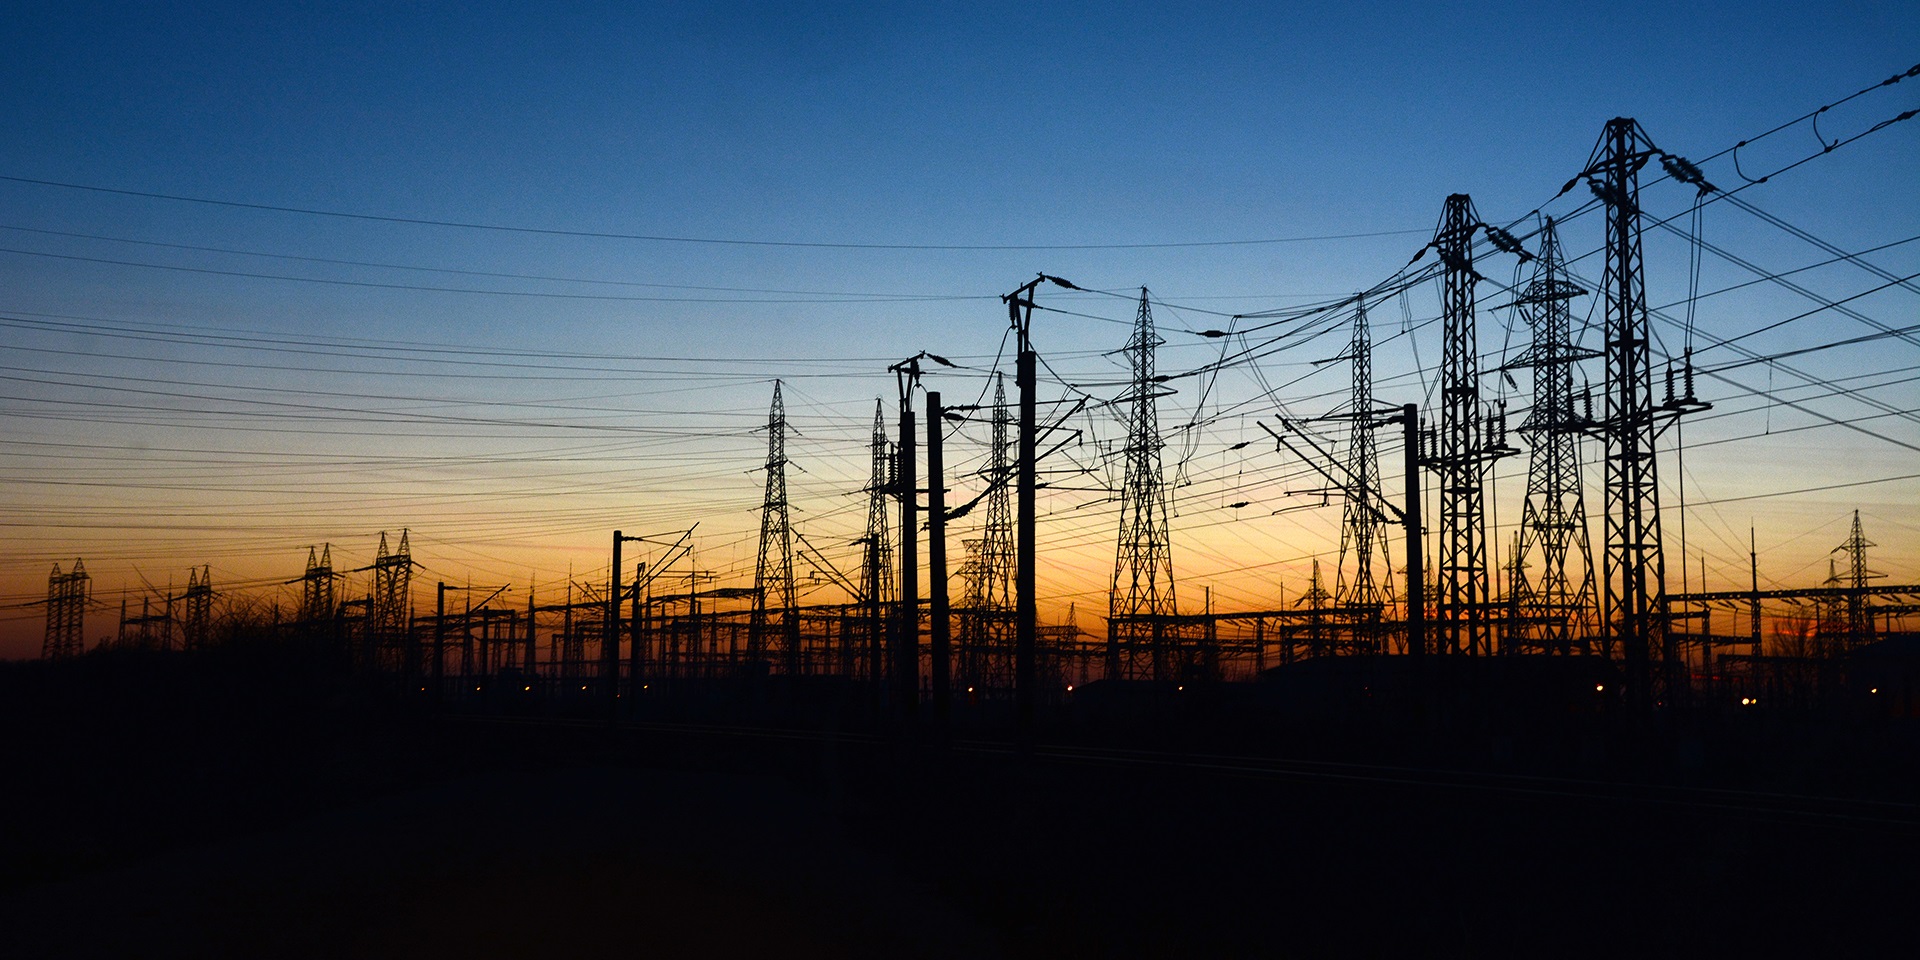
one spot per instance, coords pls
(274, 276)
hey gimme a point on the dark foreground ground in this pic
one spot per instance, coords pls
(215, 821)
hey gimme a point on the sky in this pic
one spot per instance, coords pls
(510, 277)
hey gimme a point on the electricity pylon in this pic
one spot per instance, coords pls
(1470, 439)
(1360, 522)
(66, 613)
(1141, 601)
(774, 571)
(1552, 606)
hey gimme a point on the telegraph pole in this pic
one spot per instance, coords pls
(937, 561)
(1026, 616)
(1416, 560)
(636, 648)
(439, 638)
(610, 634)
(906, 644)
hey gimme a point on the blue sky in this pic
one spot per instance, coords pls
(914, 124)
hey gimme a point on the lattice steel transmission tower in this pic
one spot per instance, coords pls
(773, 573)
(389, 606)
(1471, 437)
(1360, 522)
(316, 586)
(1858, 615)
(1634, 563)
(987, 628)
(877, 572)
(196, 620)
(66, 613)
(1141, 601)
(1553, 607)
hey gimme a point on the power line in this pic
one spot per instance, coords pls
(664, 238)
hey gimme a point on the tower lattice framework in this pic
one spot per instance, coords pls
(1469, 440)
(389, 604)
(988, 626)
(1633, 561)
(1140, 643)
(877, 570)
(66, 612)
(1360, 530)
(1552, 606)
(773, 573)
(1859, 617)
(196, 617)
(316, 586)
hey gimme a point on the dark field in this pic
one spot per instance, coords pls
(252, 811)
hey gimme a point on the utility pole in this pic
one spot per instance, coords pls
(1753, 570)
(610, 634)
(636, 642)
(1416, 562)
(439, 639)
(1025, 675)
(906, 642)
(939, 639)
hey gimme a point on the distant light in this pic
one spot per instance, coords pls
(528, 687)
(1179, 688)
(1599, 688)
(583, 686)
(476, 688)
(1069, 688)
(646, 686)
(1874, 690)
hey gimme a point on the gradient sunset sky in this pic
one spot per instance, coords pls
(582, 240)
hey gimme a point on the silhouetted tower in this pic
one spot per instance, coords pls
(996, 546)
(988, 572)
(148, 631)
(316, 586)
(1360, 534)
(1315, 602)
(1470, 438)
(973, 647)
(1143, 564)
(1634, 563)
(877, 575)
(197, 617)
(773, 574)
(998, 534)
(1552, 606)
(1859, 621)
(66, 613)
(388, 606)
